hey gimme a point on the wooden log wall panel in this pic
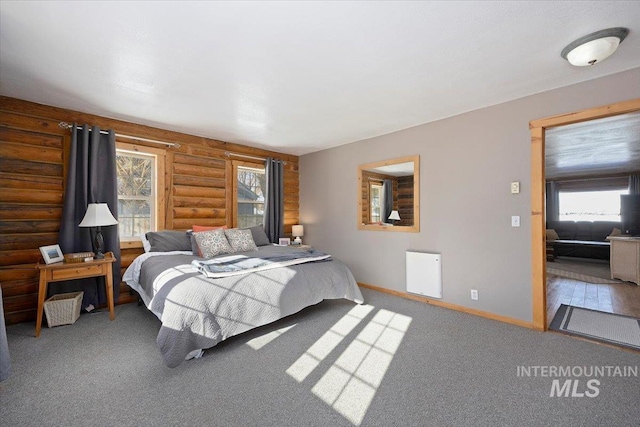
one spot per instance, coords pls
(32, 161)
(405, 200)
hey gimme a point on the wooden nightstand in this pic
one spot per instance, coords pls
(71, 271)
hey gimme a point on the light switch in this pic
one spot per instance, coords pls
(515, 221)
(515, 187)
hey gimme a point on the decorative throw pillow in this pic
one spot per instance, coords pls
(552, 235)
(168, 240)
(616, 232)
(198, 228)
(241, 240)
(212, 243)
(259, 236)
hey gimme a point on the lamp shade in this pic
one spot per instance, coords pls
(297, 230)
(594, 47)
(394, 215)
(98, 214)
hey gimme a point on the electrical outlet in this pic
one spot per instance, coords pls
(474, 294)
(515, 221)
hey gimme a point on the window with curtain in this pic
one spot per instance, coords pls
(137, 192)
(250, 191)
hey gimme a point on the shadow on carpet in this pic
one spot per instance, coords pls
(597, 325)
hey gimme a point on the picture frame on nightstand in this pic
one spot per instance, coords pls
(51, 254)
(284, 241)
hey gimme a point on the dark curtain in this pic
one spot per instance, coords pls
(274, 199)
(387, 200)
(553, 201)
(91, 178)
(5, 360)
(634, 184)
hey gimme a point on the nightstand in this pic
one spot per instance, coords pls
(76, 270)
(305, 247)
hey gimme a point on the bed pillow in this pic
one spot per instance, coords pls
(145, 243)
(212, 243)
(241, 240)
(259, 236)
(199, 228)
(168, 240)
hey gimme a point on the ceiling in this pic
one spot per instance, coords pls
(607, 146)
(297, 77)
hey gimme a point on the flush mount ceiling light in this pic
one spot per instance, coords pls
(594, 47)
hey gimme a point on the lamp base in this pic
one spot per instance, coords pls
(297, 241)
(99, 244)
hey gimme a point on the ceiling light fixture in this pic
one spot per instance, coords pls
(594, 47)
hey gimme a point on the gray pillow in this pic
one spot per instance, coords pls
(194, 244)
(169, 240)
(259, 236)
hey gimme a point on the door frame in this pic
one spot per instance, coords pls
(538, 235)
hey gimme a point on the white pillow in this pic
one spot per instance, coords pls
(145, 243)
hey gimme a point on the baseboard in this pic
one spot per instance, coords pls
(475, 312)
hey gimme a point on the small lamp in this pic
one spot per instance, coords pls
(98, 215)
(594, 47)
(297, 231)
(394, 216)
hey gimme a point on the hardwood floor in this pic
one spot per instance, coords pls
(623, 298)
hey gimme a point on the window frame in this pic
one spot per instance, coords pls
(159, 216)
(238, 164)
(378, 185)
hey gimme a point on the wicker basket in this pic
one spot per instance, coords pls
(78, 257)
(63, 309)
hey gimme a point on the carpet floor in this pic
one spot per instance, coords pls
(393, 362)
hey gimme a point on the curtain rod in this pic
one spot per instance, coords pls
(245, 156)
(65, 125)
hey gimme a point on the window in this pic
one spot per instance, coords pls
(590, 205)
(138, 170)
(375, 193)
(250, 191)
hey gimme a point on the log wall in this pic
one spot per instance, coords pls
(33, 155)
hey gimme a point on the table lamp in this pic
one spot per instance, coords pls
(394, 216)
(98, 215)
(297, 231)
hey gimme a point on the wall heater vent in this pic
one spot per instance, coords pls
(424, 274)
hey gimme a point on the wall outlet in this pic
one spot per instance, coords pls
(515, 221)
(474, 294)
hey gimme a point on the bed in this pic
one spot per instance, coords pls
(198, 312)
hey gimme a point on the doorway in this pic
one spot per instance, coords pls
(538, 225)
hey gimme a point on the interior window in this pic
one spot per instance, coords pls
(590, 205)
(251, 187)
(137, 183)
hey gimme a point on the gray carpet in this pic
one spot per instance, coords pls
(433, 367)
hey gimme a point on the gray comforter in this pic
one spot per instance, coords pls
(199, 312)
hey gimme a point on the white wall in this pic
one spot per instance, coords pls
(467, 163)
